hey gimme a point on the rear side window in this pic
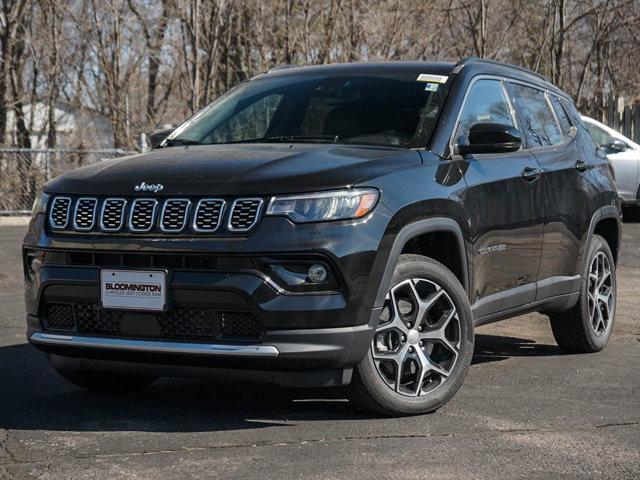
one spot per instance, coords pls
(485, 103)
(538, 121)
(563, 117)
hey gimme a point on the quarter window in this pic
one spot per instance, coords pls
(485, 103)
(537, 118)
(563, 117)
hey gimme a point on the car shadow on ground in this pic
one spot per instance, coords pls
(495, 348)
(34, 397)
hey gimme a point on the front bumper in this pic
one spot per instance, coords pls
(293, 358)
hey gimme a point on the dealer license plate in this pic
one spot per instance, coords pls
(133, 289)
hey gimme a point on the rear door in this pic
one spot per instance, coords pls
(503, 206)
(565, 187)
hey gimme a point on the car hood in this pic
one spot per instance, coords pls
(242, 169)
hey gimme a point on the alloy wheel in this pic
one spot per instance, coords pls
(600, 292)
(417, 341)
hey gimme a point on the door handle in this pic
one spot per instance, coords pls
(531, 174)
(581, 165)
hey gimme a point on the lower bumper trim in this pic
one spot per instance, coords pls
(155, 346)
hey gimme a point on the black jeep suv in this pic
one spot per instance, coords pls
(330, 226)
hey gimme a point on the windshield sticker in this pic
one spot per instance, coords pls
(427, 77)
(431, 87)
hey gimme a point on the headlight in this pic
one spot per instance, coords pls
(40, 204)
(323, 206)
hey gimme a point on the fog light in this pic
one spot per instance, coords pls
(35, 264)
(317, 273)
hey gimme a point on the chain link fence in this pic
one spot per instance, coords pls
(23, 171)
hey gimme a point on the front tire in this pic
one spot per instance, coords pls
(105, 382)
(587, 327)
(423, 344)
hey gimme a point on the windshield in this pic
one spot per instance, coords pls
(393, 110)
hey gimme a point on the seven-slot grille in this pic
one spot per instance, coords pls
(85, 215)
(244, 214)
(174, 215)
(113, 211)
(144, 215)
(59, 213)
(208, 215)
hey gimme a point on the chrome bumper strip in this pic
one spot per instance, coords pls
(156, 346)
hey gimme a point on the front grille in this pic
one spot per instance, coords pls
(59, 213)
(85, 216)
(59, 316)
(174, 215)
(188, 324)
(113, 212)
(208, 215)
(93, 319)
(142, 216)
(239, 324)
(149, 260)
(147, 215)
(244, 214)
(185, 323)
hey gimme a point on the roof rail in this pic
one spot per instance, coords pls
(467, 61)
(282, 67)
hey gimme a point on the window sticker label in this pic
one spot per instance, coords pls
(428, 77)
(431, 87)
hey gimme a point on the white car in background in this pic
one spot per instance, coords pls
(624, 156)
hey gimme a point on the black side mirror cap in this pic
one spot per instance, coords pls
(490, 138)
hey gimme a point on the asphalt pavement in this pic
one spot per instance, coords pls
(527, 410)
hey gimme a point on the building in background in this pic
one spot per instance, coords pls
(82, 128)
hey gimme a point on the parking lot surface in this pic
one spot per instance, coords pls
(526, 410)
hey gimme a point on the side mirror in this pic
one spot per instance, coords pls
(490, 138)
(617, 146)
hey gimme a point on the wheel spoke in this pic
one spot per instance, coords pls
(423, 364)
(605, 276)
(395, 324)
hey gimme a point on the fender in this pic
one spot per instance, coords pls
(437, 224)
(609, 211)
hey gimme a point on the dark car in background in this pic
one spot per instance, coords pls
(338, 225)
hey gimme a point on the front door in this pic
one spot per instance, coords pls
(503, 208)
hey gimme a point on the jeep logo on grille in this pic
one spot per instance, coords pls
(149, 187)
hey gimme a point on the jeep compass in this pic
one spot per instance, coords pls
(337, 225)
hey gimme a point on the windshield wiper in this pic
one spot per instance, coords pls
(304, 139)
(291, 139)
(174, 142)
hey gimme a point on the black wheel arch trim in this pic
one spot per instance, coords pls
(609, 211)
(414, 229)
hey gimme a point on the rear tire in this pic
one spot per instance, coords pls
(105, 382)
(423, 344)
(587, 327)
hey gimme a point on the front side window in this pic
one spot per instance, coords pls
(386, 109)
(537, 118)
(485, 103)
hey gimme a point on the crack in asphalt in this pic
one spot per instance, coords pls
(4, 444)
(518, 431)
